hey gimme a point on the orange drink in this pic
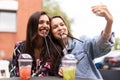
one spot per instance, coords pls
(25, 64)
(25, 72)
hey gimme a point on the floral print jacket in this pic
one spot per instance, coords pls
(39, 70)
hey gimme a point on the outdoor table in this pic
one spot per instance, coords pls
(45, 78)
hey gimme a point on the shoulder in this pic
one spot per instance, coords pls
(19, 46)
(88, 41)
(85, 38)
(19, 43)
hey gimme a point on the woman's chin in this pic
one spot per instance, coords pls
(43, 35)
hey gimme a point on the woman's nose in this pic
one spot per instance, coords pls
(45, 24)
(59, 27)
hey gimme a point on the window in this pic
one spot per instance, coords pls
(7, 21)
(8, 15)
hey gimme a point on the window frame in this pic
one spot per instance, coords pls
(6, 25)
(8, 6)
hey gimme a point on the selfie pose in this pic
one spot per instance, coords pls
(84, 49)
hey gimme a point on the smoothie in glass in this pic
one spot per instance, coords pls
(25, 72)
(69, 73)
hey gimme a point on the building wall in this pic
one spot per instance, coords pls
(8, 39)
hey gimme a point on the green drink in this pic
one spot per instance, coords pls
(69, 67)
(69, 73)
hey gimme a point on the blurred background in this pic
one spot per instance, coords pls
(14, 15)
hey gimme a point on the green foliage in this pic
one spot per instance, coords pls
(53, 8)
(117, 44)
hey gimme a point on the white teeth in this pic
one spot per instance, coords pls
(61, 33)
(44, 32)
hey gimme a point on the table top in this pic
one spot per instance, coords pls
(45, 78)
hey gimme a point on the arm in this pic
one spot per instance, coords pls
(14, 69)
(102, 11)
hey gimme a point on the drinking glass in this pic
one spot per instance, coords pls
(25, 64)
(69, 67)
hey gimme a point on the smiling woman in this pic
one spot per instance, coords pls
(89, 48)
(45, 62)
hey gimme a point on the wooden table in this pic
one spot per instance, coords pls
(45, 78)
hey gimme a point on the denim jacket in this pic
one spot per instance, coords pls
(86, 51)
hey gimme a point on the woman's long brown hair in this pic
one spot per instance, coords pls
(30, 44)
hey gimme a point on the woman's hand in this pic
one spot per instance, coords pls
(101, 10)
(60, 72)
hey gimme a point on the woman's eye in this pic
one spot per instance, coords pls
(55, 26)
(61, 24)
(47, 22)
(41, 22)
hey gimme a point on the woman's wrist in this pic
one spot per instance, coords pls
(106, 35)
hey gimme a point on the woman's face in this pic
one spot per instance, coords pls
(58, 28)
(43, 26)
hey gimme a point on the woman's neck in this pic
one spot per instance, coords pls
(64, 42)
(39, 42)
(38, 47)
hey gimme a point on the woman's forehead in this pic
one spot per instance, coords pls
(43, 17)
(57, 20)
